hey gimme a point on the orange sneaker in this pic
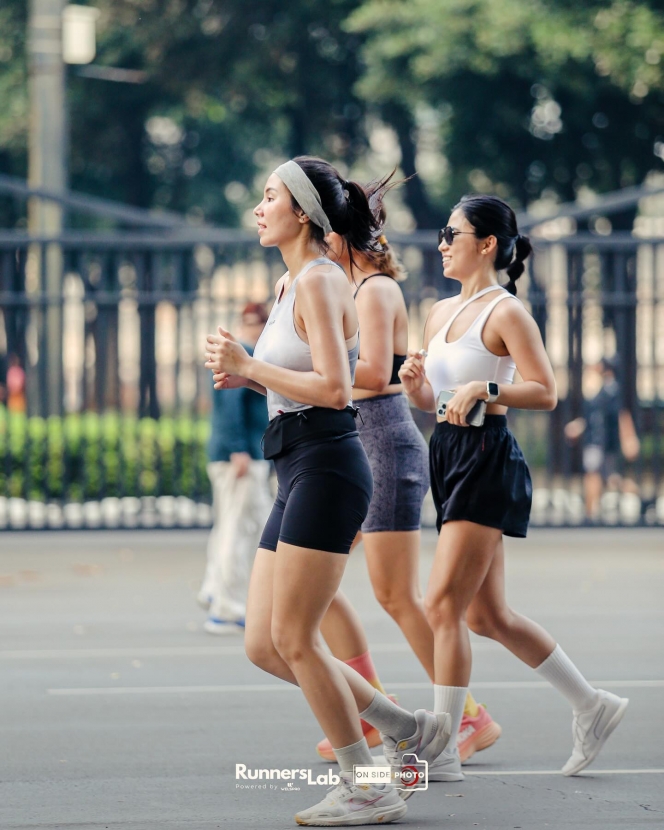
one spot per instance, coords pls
(324, 747)
(477, 733)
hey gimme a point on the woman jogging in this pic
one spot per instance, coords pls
(480, 482)
(398, 457)
(305, 361)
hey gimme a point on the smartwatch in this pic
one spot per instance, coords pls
(492, 391)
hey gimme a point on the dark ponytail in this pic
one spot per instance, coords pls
(490, 216)
(522, 250)
(361, 221)
(345, 204)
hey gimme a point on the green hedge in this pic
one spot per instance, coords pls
(89, 457)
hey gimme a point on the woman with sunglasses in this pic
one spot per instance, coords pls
(479, 478)
(398, 457)
(304, 362)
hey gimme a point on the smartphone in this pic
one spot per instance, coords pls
(475, 418)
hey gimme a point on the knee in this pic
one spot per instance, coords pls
(485, 623)
(290, 646)
(443, 611)
(395, 601)
(262, 654)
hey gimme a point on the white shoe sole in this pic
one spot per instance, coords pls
(386, 816)
(445, 776)
(615, 720)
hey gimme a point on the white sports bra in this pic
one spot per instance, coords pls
(451, 365)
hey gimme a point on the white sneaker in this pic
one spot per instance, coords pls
(430, 739)
(590, 730)
(351, 804)
(213, 625)
(446, 767)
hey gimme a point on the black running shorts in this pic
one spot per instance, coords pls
(323, 495)
(479, 474)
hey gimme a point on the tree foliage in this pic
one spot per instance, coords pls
(523, 97)
(531, 96)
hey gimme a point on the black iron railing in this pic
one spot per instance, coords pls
(109, 330)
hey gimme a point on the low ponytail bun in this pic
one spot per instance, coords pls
(522, 250)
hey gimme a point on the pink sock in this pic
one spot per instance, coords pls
(364, 665)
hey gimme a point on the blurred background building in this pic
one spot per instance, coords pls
(130, 164)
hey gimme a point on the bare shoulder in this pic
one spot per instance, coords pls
(438, 315)
(511, 312)
(446, 302)
(379, 290)
(440, 310)
(511, 321)
(321, 280)
(379, 284)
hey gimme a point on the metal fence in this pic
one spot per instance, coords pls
(109, 330)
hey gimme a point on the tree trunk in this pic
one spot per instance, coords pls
(401, 120)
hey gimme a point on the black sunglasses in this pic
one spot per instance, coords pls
(448, 233)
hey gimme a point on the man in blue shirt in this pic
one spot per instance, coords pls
(241, 495)
(609, 435)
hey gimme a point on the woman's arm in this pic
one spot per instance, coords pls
(222, 380)
(376, 315)
(320, 304)
(415, 384)
(522, 339)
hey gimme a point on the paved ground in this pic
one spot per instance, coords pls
(118, 711)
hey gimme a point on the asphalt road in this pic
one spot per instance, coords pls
(118, 711)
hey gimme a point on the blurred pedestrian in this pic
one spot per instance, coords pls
(16, 400)
(241, 499)
(609, 437)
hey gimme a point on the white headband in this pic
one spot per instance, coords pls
(304, 193)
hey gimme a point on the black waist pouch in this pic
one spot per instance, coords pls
(307, 426)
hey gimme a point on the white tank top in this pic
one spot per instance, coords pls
(451, 365)
(281, 345)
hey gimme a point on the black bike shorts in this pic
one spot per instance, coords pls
(323, 495)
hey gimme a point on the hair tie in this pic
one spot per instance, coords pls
(382, 239)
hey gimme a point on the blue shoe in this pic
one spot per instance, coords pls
(214, 625)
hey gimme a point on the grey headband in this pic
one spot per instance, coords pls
(304, 193)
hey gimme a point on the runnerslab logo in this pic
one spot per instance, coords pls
(292, 776)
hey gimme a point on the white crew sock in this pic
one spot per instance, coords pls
(389, 718)
(358, 753)
(450, 699)
(564, 676)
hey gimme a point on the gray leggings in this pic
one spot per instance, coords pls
(399, 461)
